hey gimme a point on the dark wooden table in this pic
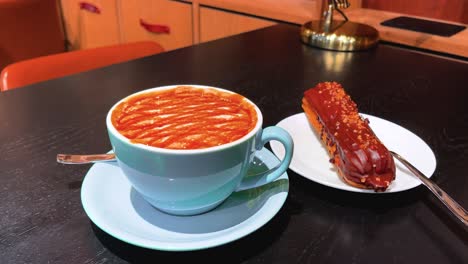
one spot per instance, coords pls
(41, 216)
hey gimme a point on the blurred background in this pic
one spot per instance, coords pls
(33, 28)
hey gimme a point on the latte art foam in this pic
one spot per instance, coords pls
(184, 118)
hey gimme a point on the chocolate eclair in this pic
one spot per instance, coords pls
(360, 157)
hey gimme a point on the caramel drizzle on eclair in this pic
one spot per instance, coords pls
(360, 157)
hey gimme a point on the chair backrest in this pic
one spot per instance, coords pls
(29, 29)
(49, 67)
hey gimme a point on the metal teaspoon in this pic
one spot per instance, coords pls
(83, 159)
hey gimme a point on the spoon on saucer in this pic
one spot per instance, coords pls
(448, 201)
(84, 159)
(93, 158)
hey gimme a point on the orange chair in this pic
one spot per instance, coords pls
(29, 29)
(49, 67)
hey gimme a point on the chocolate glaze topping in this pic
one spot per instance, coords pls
(357, 152)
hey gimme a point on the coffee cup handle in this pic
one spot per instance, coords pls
(269, 134)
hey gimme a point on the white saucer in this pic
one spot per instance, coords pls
(311, 160)
(115, 207)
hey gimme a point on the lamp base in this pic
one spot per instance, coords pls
(339, 35)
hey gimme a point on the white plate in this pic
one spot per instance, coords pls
(115, 207)
(311, 160)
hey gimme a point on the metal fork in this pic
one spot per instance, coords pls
(448, 201)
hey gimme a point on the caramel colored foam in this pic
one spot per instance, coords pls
(184, 117)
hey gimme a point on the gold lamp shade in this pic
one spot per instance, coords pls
(341, 35)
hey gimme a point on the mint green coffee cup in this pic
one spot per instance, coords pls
(194, 181)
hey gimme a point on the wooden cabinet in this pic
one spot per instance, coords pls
(167, 22)
(94, 23)
(173, 23)
(90, 23)
(215, 23)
